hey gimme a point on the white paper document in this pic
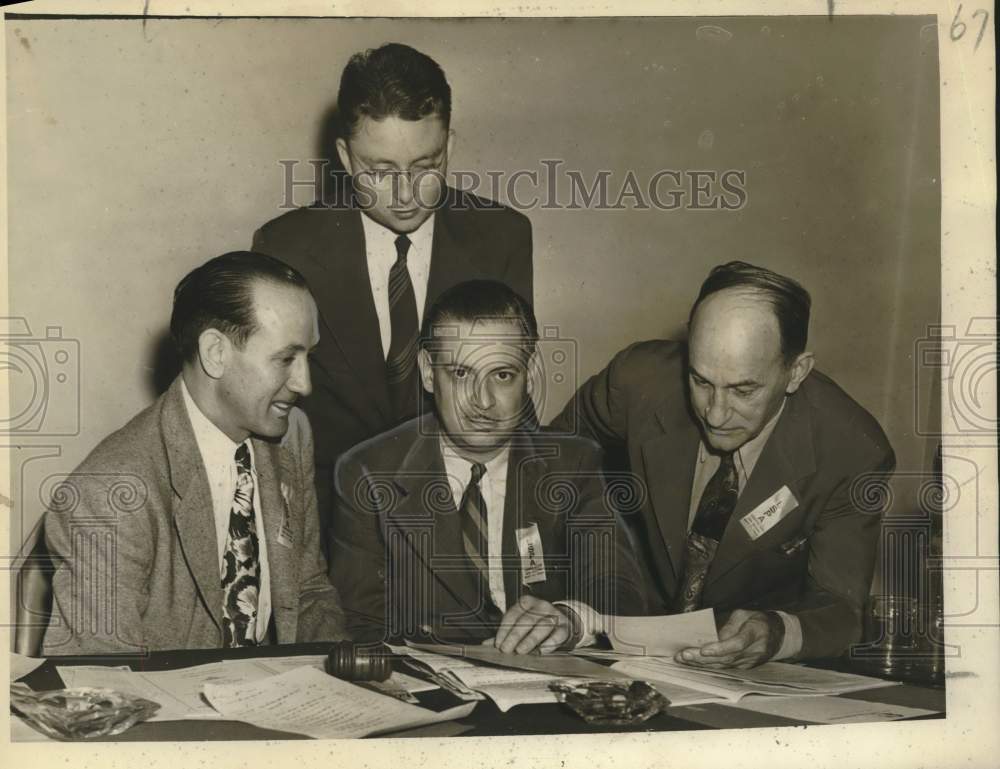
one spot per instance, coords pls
(20, 665)
(178, 692)
(775, 678)
(508, 688)
(307, 701)
(829, 710)
(558, 664)
(661, 636)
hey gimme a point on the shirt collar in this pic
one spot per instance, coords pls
(215, 446)
(749, 452)
(496, 468)
(420, 238)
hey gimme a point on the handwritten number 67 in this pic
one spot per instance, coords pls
(958, 27)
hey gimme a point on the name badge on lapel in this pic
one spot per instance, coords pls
(769, 512)
(285, 529)
(529, 543)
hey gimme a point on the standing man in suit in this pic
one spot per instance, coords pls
(194, 525)
(758, 471)
(376, 263)
(465, 526)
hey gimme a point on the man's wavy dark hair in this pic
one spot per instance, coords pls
(479, 301)
(219, 295)
(394, 80)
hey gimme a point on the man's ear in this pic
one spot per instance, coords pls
(344, 155)
(799, 370)
(451, 142)
(213, 352)
(426, 370)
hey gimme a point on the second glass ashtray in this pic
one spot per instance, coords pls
(611, 703)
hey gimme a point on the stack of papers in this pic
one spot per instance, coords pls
(179, 692)
(440, 669)
(829, 710)
(510, 679)
(310, 702)
(508, 688)
(773, 678)
(291, 694)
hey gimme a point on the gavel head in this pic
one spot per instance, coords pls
(359, 662)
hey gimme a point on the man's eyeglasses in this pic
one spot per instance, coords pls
(390, 177)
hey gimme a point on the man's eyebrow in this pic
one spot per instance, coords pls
(733, 386)
(289, 348)
(377, 160)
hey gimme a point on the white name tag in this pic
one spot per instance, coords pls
(769, 512)
(529, 543)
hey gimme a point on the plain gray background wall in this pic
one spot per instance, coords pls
(136, 152)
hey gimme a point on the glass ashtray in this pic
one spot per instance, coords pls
(611, 703)
(80, 713)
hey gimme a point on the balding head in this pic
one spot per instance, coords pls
(788, 300)
(737, 372)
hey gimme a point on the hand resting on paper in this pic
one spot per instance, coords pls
(748, 639)
(534, 625)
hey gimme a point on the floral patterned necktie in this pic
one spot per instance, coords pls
(241, 561)
(714, 511)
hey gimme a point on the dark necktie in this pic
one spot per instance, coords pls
(714, 510)
(401, 363)
(241, 561)
(472, 512)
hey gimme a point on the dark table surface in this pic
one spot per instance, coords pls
(485, 720)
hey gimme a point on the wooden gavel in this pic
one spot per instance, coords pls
(359, 662)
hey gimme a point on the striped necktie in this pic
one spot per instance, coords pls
(472, 512)
(714, 511)
(401, 362)
(241, 561)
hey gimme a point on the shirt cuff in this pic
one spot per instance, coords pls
(591, 621)
(792, 642)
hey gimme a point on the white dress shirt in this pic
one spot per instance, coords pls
(218, 457)
(745, 458)
(380, 250)
(493, 487)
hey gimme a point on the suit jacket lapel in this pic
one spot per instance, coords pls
(448, 262)
(669, 462)
(423, 481)
(194, 514)
(524, 471)
(786, 458)
(270, 467)
(337, 273)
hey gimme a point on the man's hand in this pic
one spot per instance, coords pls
(533, 624)
(746, 640)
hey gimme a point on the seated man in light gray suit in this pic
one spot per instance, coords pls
(195, 525)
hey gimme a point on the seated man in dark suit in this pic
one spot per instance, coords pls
(194, 525)
(401, 239)
(756, 468)
(464, 526)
